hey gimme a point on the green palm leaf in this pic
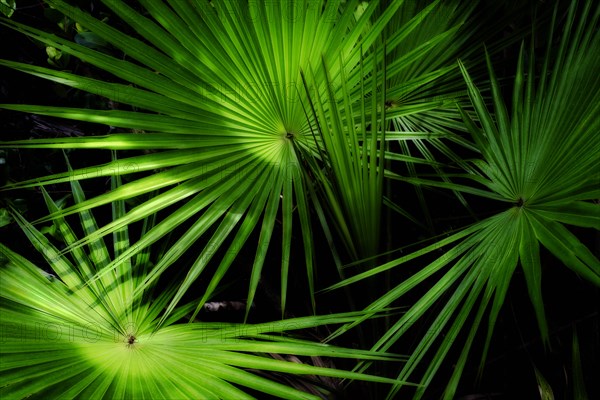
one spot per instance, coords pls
(219, 92)
(353, 188)
(538, 159)
(68, 336)
(213, 84)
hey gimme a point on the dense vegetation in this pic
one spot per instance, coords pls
(299, 199)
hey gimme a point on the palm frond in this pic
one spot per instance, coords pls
(536, 159)
(234, 103)
(72, 336)
(216, 86)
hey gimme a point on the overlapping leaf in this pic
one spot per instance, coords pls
(69, 336)
(218, 85)
(541, 160)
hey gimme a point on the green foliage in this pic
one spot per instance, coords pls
(579, 391)
(238, 125)
(537, 160)
(230, 115)
(71, 335)
(8, 7)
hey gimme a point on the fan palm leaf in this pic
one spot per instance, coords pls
(541, 160)
(216, 88)
(70, 336)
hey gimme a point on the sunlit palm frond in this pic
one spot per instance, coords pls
(215, 87)
(219, 85)
(69, 336)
